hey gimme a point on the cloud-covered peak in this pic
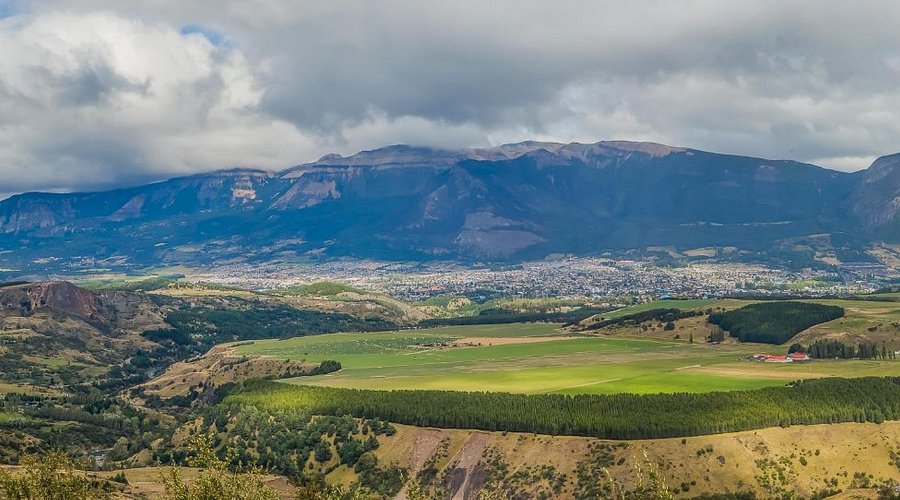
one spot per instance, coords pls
(96, 93)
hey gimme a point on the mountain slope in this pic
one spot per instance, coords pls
(876, 199)
(511, 202)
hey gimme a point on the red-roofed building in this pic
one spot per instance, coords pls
(799, 356)
(778, 359)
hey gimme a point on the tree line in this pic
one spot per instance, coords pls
(831, 349)
(774, 322)
(614, 416)
(668, 315)
(202, 327)
(495, 316)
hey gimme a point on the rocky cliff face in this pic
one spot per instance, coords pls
(876, 200)
(59, 296)
(108, 312)
(515, 201)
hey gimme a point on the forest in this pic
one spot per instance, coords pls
(774, 322)
(835, 349)
(203, 327)
(614, 416)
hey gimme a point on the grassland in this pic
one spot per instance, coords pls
(766, 462)
(539, 358)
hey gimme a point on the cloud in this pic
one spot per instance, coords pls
(97, 93)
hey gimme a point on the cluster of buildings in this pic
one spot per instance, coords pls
(795, 357)
(592, 277)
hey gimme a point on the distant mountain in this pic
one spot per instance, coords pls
(512, 202)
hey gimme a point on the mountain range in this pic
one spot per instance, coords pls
(507, 203)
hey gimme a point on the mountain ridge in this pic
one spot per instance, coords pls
(510, 202)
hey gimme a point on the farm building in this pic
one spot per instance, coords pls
(790, 358)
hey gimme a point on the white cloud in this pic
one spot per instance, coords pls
(97, 93)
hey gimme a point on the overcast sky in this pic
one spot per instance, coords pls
(102, 93)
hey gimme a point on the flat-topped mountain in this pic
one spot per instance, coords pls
(510, 202)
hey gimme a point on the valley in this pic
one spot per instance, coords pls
(457, 407)
(405, 250)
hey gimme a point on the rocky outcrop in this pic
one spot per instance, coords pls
(876, 200)
(60, 296)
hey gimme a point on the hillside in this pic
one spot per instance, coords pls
(767, 463)
(836, 461)
(511, 202)
(81, 362)
(67, 353)
(56, 334)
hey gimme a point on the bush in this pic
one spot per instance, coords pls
(215, 481)
(49, 477)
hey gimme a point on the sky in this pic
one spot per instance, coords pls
(97, 94)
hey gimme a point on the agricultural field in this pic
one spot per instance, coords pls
(540, 358)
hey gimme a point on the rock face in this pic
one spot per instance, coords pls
(59, 296)
(515, 201)
(876, 200)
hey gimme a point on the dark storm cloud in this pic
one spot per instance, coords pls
(120, 91)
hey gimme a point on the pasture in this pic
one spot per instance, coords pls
(539, 358)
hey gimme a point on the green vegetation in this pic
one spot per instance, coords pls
(683, 304)
(295, 444)
(500, 316)
(774, 322)
(33, 424)
(141, 283)
(52, 476)
(462, 311)
(619, 416)
(538, 358)
(203, 327)
(216, 480)
(320, 289)
(831, 349)
(636, 318)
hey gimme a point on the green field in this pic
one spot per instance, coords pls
(509, 359)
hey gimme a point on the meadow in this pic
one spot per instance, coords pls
(539, 358)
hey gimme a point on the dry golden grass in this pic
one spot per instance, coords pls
(220, 366)
(145, 482)
(743, 461)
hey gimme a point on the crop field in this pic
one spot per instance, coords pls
(538, 358)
